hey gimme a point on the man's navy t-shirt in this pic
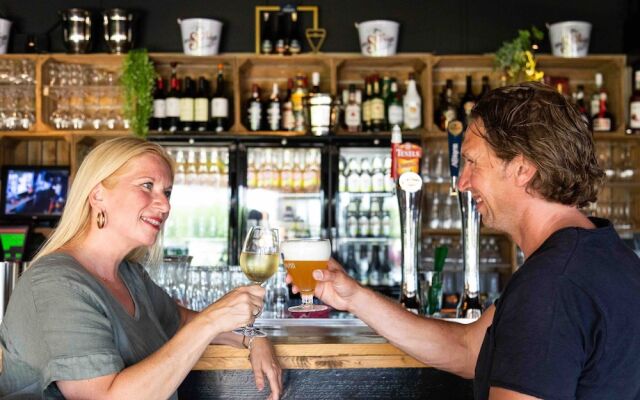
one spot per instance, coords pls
(567, 325)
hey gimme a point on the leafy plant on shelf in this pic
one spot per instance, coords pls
(516, 57)
(137, 81)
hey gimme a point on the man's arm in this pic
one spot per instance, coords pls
(449, 346)
(497, 393)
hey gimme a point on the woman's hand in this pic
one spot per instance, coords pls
(263, 362)
(237, 308)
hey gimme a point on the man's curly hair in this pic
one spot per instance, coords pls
(537, 122)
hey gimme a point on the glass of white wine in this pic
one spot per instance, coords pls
(259, 260)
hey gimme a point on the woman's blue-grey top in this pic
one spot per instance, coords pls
(63, 324)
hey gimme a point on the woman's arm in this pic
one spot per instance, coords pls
(160, 374)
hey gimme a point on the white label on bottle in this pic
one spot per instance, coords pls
(219, 107)
(412, 115)
(601, 124)
(255, 114)
(186, 109)
(352, 115)
(159, 108)
(634, 115)
(366, 111)
(395, 114)
(377, 109)
(201, 109)
(173, 107)
(288, 119)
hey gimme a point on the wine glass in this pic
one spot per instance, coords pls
(301, 257)
(259, 260)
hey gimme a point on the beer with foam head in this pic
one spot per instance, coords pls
(301, 257)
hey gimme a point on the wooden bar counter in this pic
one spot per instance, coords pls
(324, 359)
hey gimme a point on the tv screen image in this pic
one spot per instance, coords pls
(34, 191)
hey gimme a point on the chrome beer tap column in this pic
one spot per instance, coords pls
(406, 159)
(469, 306)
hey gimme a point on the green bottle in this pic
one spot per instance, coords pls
(435, 290)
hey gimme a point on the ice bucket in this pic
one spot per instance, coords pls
(76, 28)
(570, 38)
(5, 27)
(200, 36)
(378, 38)
(118, 29)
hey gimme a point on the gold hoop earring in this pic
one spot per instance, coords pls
(101, 219)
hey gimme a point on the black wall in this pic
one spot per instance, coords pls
(439, 26)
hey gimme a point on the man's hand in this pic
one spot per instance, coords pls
(334, 287)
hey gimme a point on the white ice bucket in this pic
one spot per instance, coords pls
(5, 27)
(378, 38)
(570, 38)
(200, 36)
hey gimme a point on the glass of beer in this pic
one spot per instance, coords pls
(259, 260)
(301, 257)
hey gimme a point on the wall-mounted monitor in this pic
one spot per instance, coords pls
(34, 192)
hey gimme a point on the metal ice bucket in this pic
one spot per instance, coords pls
(118, 29)
(76, 29)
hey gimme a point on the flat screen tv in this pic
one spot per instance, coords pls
(34, 192)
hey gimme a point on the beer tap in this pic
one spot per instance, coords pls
(406, 160)
(469, 305)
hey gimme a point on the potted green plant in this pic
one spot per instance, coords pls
(138, 76)
(516, 57)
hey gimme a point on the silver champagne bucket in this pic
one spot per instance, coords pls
(76, 29)
(118, 29)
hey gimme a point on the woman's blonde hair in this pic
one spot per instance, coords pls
(102, 163)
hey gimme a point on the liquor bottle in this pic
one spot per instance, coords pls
(265, 173)
(252, 170)
(173, 101)
(297, 174)
(342, 178)
(366, 106)
(201, 105)
(351, 265)
(603, 121)
(266, 45)
(219, 104)
(434, 301)
(395, 112)
(634, 105)
(447, 110)
(377, 107)
(595, 97)
(273, 109)
(315, 82)
(467, 102)
(377, 177)
(375, 222)
(311, 174)
(288, 119)
(375, 267)
(157, 122)
(485, 87)
(365, 175)
(363, 265)
(352, 220)
(286, 172)
(389, 183)
(187, 105)
(363, 221)
(254, 110)
(298, 100)
(353, 179)
(352, 115)
(295, 45)
(412, 105)
(581, 105)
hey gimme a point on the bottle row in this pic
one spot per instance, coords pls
(285, 170)
(373, 265)
(365, 175)
(370, 219)
(452, 286)
(201, 166)
(190, 105)
(490, 252)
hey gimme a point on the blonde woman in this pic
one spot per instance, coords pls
(86, 321)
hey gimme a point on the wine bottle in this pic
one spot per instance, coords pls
(157, 122)
(273, 110)
(187, 100)
(467, 103)
(254, 110)
(173, 101)
(219, 104)
(201, 105)
(412, 105)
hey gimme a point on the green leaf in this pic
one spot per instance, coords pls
(138, 75)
